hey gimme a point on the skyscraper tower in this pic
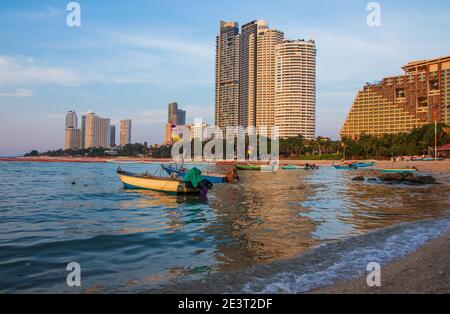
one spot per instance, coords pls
(227, 75)
(262, 114)
(248, 71)
(97, 131)
(295, 88)
(172, 111)
(112, 136)
(83, 132)
(71, 120)
(125, 132)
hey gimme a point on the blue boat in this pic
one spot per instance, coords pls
(210, 176)
(398, 170)
(363, 164)
(354, 166)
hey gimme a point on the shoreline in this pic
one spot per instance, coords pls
(425, 271)
(425, 166)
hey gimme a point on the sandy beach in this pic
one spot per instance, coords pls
(427, 270)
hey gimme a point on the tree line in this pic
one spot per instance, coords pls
(418, 141)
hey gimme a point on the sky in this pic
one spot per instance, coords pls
(129, 59)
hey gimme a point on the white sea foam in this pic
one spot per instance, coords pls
(350, 257)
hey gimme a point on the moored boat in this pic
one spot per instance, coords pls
(210, 176)
(149, 182)
(247, 167)
(363, 164)
(398, 170)
(344, 167)
(293, 167)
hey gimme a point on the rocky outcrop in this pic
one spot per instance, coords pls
(401, 177)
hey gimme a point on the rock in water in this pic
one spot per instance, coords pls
(406, 177)
(358, 178)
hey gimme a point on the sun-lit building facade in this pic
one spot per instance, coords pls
(295, 89)
(400, 103)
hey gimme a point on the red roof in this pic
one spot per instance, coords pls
(445, 147)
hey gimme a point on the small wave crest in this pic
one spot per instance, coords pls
(347, 259)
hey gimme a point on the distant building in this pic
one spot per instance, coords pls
(71, 120)
(181, 117)
(72, 140)
(175, 115)
(125, 132)
(172, 112)
(401, 103)
(72, 133)
(112, 136)
(168, 134)
(198, 129)
(83, 132)
(97, 131)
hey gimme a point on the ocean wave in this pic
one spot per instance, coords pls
(346, 259)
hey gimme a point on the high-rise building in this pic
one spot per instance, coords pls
(295, 88)
(72, 140)
(263, 114)
(83, 132)
(175, 115)
(248, 55)
(71, 120)
(168, 133)
(125, 132)
(181, 117)
(256, 63)
(97, 131)
(400, 103)
(227, 75)
(198, 129)
(72, 133)
(172, 111)
(112, 135)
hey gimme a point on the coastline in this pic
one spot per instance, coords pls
(425, 166)
(426, 270)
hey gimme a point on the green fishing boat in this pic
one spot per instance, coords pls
(292, 167)
(398, 170)
(248, 167)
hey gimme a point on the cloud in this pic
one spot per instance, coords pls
(175, 45)
(19, 92)
(25, 71)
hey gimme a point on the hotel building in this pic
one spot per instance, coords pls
(227, 75)
(400, 103)
(125, 132)
(97, 133)
(295, 88)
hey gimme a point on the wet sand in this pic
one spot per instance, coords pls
(427, 270)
